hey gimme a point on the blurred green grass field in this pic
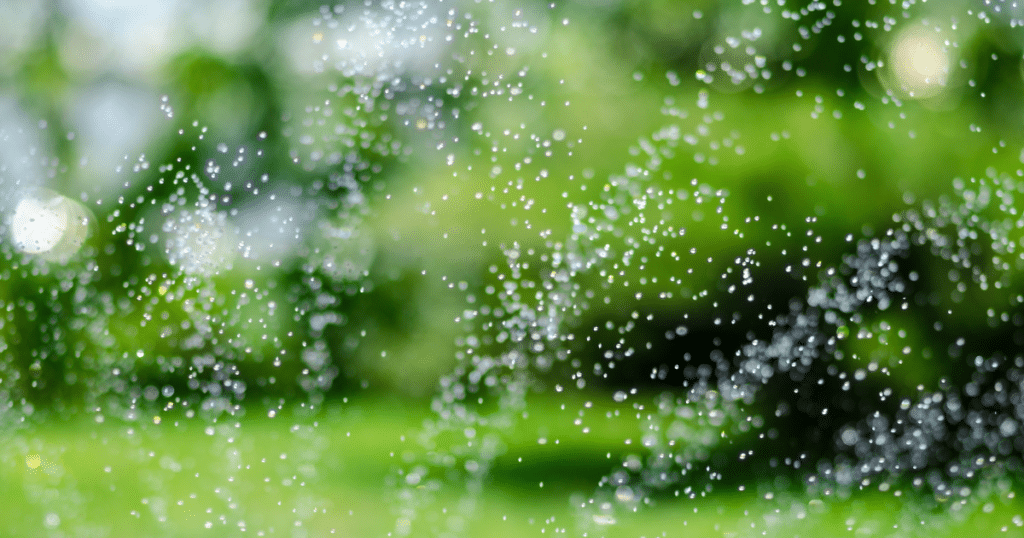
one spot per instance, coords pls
(194, 479)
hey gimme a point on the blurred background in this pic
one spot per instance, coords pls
(214, 210)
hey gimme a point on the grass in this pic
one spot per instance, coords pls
(260, 476)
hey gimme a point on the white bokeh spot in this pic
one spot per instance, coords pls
(919, 63)
(49, 225)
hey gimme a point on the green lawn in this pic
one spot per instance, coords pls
(199, 479)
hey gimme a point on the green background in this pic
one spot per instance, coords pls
(803, 164)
